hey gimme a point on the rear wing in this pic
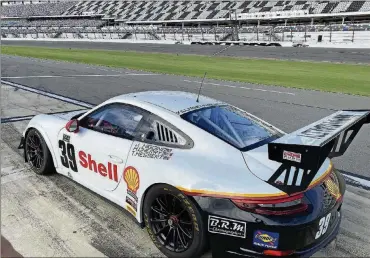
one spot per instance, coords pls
(307, 148)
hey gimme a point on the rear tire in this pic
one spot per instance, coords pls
(174, 223)
(38, 154)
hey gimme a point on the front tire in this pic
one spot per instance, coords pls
(174, 223)
(38, 154)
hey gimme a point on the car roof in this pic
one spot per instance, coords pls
(175, 101)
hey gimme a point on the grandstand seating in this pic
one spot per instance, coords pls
(179, 10)
(187, 10)
(106, 19)
(29, 10)
(53, 23)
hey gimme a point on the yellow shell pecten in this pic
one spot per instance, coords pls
(132, 179)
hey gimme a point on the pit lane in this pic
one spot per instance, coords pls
(62, 218)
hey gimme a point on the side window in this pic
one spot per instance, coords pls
(157, 131)
(114, 119)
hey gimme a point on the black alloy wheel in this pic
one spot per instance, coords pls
(171, 223)
(37, 153)
(174, 222)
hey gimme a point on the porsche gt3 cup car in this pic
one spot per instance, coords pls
(203, 174)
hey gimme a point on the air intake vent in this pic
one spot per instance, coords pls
(165, 134)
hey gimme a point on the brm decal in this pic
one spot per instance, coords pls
(132, 179)
(292, 156)
(224, 226)
(151, 151)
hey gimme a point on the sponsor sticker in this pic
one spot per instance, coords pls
(151, 151)
(131, 210)
(292, 156)
(66, 138)
(266, 239)
(131, 202)
(182, 111)
(224, 226)
(109, 170)
(132, 179)
(329, 126)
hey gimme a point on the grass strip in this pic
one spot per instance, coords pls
(344, 78)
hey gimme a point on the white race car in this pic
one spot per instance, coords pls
(199, 173)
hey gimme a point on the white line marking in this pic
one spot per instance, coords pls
(360, 181)
(76, 75)
(241, 87)
(48, 94)
(15, 119)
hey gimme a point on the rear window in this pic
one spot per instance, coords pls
(232, 125)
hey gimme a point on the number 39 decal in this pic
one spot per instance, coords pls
(68, 157)
(323, 225)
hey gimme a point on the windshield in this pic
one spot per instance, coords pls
(232, 125)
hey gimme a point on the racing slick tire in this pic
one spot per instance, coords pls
(174, 223)
(37, 153)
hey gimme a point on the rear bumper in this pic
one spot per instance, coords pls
(325, 242)
(248, 251)
(297, 236)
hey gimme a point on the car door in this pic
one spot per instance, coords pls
(101, 146)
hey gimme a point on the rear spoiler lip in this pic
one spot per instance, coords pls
(308, 157)
(367, 119)
(350, 125)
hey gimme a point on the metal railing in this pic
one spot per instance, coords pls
(295, 33)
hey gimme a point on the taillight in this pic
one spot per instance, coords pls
(279, 207)
(277, 253)
(332, 186)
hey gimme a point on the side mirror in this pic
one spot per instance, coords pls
(72, 126)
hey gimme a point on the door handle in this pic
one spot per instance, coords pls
(115, 159)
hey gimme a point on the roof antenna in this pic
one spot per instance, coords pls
(200, 88)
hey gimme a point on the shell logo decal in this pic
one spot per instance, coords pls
(132, 179)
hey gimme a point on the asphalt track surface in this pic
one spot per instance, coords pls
(340, 55)
(286, 108)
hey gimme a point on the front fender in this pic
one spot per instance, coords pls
(47, 141)
(49, 127)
